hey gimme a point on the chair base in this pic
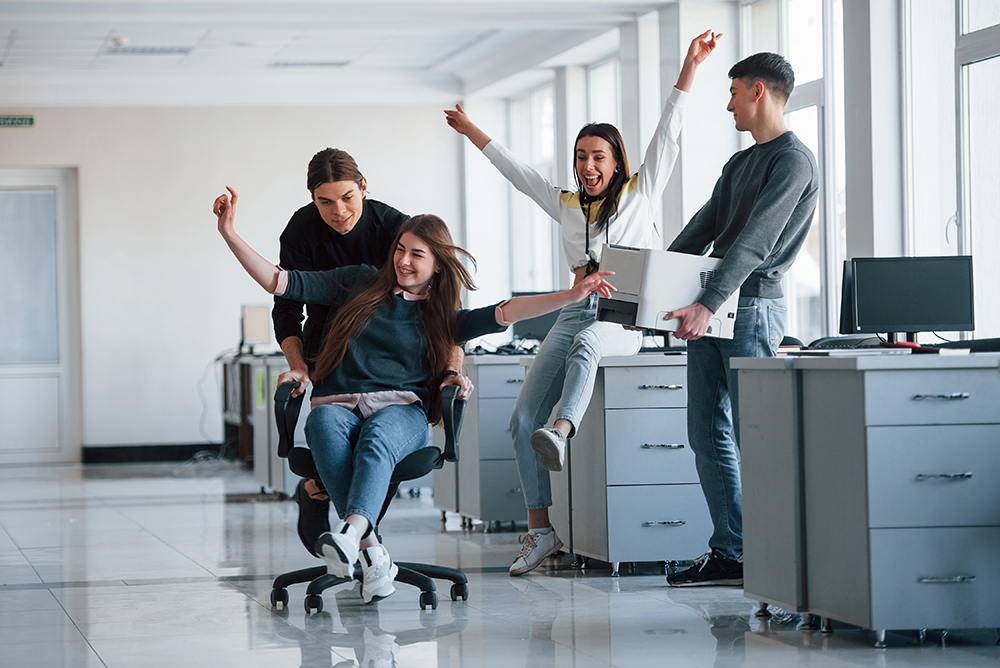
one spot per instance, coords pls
(421, 576)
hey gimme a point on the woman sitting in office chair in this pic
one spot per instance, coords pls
(380, 367)
(610, 205)
(341, 226)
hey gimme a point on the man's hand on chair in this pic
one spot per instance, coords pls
(465, 386)
(300, 376)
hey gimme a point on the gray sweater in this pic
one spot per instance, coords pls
(756, 220)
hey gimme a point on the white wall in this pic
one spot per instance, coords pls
(160, 292)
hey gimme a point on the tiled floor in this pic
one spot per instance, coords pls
(126, 566)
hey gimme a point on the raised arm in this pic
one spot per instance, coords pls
(460, 122)
(262, 271)
(522, 308)
(701, 46)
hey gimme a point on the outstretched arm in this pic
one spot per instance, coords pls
(459, 120)
(522, 308)
(701, 46)
(262, 271)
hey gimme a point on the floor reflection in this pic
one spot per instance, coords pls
(114, 567)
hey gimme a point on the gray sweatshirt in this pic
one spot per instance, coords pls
(756, 220)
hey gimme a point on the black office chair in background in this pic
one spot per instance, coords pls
(416, 465)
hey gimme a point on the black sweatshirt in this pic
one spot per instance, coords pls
(309, 244)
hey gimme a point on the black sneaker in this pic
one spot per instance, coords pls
(710, 569)
(314, 517)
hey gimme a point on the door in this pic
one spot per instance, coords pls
(40, 397)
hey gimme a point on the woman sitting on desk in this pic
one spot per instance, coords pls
(380, 367)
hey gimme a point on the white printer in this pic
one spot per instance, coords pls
(653, 282)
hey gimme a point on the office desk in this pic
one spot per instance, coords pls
(630, 490)
(870, 489)
(248, 417)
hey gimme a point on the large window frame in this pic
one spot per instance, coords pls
(821, 93)
(534, 249)
(971, 47)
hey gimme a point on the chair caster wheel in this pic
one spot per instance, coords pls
(279, 598)
(460, 591)
(314, 602)
(428, 598)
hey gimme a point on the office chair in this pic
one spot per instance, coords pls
(415, 465)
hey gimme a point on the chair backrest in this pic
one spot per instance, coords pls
(286, 414)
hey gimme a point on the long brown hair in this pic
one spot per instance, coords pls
(610, 134)
(437, 312)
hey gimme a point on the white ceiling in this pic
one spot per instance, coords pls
(228, 52)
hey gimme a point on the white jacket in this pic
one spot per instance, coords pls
(637, 201)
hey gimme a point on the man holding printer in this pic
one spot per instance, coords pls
(756, 221)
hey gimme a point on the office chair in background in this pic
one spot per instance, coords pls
(415, 465)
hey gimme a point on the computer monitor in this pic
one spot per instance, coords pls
(534, 328)
(907, 294)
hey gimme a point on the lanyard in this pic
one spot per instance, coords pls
(592, 264)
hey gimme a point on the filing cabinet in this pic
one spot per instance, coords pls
(630, 490)
(484, 484)
(899, 506)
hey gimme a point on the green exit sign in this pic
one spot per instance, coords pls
(17, 121)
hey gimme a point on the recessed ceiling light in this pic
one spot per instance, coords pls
(148, 50)
(309, 63)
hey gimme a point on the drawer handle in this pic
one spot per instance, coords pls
(668, 446)
(661, 387)
(955, 579)
(514, 490)
(515, 380)
(668, 523)
(944, 476)
(947, 397)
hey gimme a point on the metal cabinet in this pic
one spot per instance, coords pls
(630, 490)
(484, 484)
(899, 507)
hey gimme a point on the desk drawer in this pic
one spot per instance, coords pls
(501, 380)
(495, 441)
(934, 475)
(500, 492)
(938, 396)
(645, 387)
(920, 578)
(648, 446)
(657, 522)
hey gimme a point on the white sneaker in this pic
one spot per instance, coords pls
(379, 572)
(551, 445)
(380, 650)
(339, 549)
(535, 547)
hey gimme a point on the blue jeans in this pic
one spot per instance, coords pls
(563, 372)
(355, 456)
(713, 412)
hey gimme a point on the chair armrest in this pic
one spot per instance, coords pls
(452, 410)
(286, 414)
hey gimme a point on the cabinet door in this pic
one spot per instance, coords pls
(934, 475)
(648, 446)
(934, 396)
(499, 380)
(936, 578)
(501, 497)
(645, 387)
(657, 522)
(495, 440)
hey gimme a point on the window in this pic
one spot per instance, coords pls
(604, 93)
(532, 231)
(953, 205)
(809, 34)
